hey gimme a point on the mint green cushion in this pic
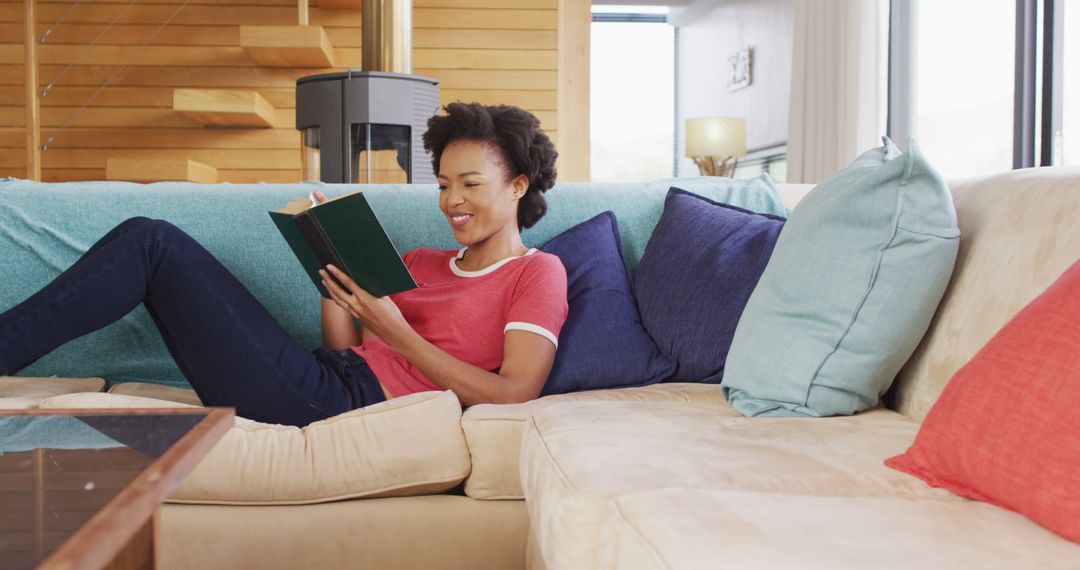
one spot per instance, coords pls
(853, 282)
(44, 228)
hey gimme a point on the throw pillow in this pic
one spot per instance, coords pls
(701, 264)
(602, 343)
(1005, 429)
(850, 289)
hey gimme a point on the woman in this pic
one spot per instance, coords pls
(484, 322)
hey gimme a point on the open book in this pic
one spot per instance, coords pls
(344, 232)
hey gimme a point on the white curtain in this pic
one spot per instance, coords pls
(838, 85)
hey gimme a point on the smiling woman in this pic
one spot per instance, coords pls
(484, 322)
(475, 196)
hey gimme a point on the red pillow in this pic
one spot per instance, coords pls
(1006, 430)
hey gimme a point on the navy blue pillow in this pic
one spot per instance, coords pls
(602, 343)
(702, 262)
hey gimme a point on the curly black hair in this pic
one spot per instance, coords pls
(515, 133)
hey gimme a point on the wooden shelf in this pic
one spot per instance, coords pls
(159, 170)
(338, 4)
(224, 107)
(287, 46)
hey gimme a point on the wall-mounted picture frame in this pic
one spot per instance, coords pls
(739, 69)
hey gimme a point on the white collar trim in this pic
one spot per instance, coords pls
(480, 272)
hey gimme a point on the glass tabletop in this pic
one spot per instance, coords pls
(57, 471)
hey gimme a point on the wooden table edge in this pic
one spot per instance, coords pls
(108, 530)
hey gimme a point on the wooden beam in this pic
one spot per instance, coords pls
(302, 16)
(232, 107)
(572, 96)
(33, 121)
(159, 170)
(287, 46)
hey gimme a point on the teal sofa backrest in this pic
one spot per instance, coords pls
(44, 228)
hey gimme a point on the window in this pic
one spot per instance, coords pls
(1067, 141)
(987, 85)
(632, 94)
(964, 85)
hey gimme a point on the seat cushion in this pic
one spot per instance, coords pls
(577, 457)
(157, 391)
(690, 528)
(22, 392)
(494, 431)
(411, 445)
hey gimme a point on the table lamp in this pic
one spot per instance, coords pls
(715, 143)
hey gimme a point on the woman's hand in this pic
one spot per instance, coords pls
(377, 314)
(338, 330)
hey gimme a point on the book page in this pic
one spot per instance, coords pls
(295, 206)
(300, 204)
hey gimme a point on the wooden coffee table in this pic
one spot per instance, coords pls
(82, 488)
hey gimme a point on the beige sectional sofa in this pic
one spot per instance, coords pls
(666, 476)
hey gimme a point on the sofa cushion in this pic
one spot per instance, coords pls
(602, 343)
(702, 262)
(676, 529)
(411, 445)
(231, 221)
(1019, 235)
(22, 392)
(577, 457)
(493, 431)
(792, 194)
(438, 532)
(849, 291)
(1005, 429)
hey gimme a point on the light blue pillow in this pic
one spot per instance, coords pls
(849, 291)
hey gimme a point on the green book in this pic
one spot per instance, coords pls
(344, 232)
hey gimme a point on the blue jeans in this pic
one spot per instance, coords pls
(225, 342)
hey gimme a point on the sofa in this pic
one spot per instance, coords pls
(659, 476)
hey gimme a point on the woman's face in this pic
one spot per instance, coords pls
(475, 193)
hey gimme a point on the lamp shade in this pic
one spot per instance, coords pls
(716, 136)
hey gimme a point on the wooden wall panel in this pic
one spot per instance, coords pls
(575, 19)
(491, 51)
(12, 110)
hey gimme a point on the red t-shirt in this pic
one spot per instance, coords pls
(467, 313)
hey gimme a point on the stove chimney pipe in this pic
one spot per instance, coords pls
(387, 35)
